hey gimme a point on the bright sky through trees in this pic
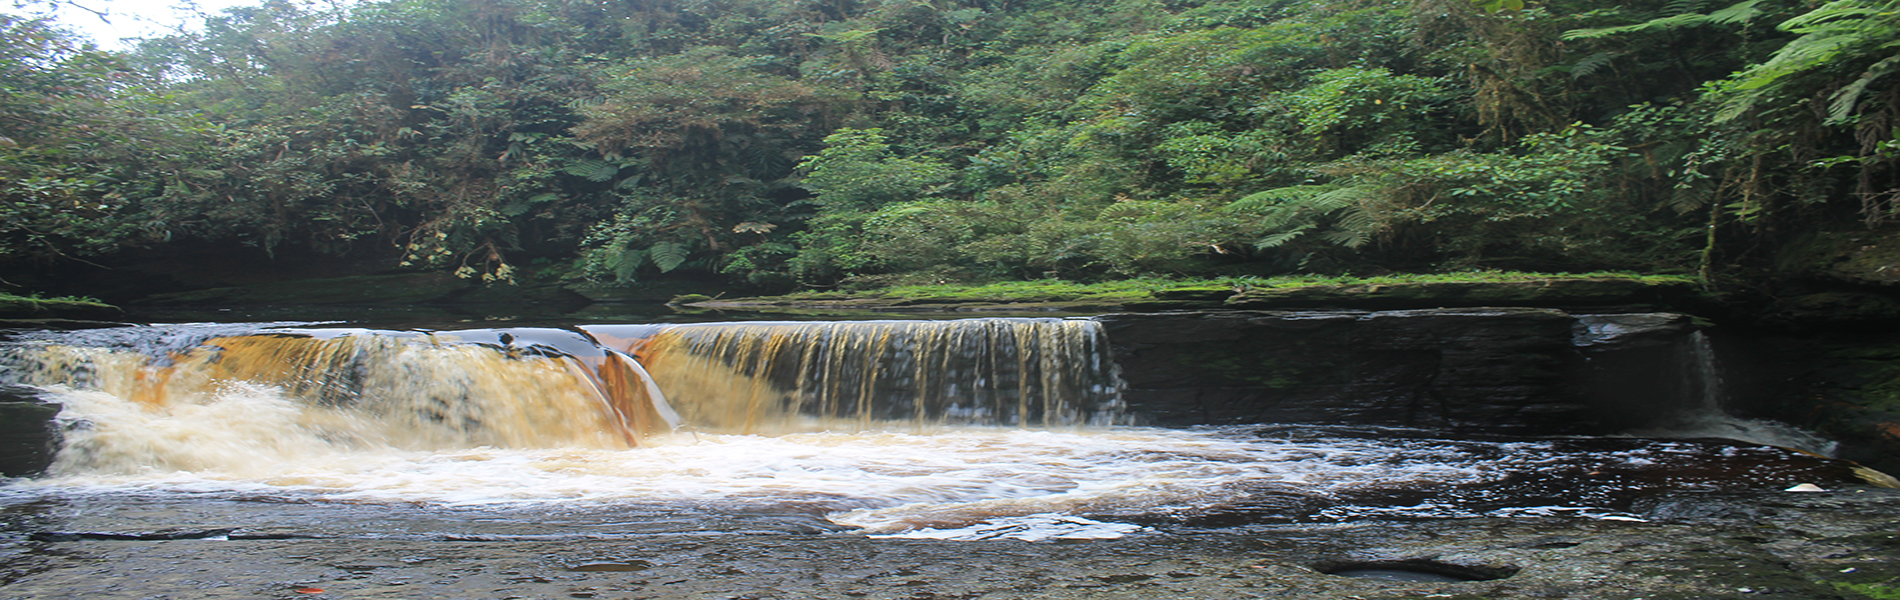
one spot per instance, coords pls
(136, 18)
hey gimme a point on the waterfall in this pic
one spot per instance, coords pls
(189, 396)
(960, 429)
(1704, 374)
(163, 397)
(1707, 415)
(767, 377)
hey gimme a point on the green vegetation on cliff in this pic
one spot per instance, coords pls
(1482, 288)
(29, 307)
(894, 142)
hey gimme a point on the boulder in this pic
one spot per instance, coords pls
(28, 436)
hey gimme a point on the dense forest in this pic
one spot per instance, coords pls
(814, 143)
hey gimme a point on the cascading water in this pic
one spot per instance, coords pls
(964, 429)
(1707, 414)
(752, 377)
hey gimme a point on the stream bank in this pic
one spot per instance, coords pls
(1797, 546)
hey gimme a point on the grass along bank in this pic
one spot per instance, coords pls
(1302, 291)
(64, 307)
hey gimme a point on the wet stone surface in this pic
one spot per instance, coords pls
(1839, 544)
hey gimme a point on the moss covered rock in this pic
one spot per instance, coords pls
(1868, 257)
(1554, 292)
(1412, 292)
(17, 307)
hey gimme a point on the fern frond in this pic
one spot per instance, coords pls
(1268, 199)
(1358, 218)
(593, 169)
(1848, 97)
(1736, 13)
(1838, 10)
(1665, 23)
(1803, 53)
(1349, 238)
(1590, 64)
(1355, 226)
(1682, 7)
(1736, 106)
(626, 262)
(1835, 33)
(1688, 198)
(1281, 238)
(1739, 13)
(668, 255)
(1130, 209)
(1344, 197)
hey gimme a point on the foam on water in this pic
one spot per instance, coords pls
(485, 419)
(250, 438)
(953, 483)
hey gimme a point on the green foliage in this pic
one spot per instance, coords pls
(1552, 199)
(858, 171)
(1844, 33)
(1342, 215)
(1498, 5)
(1877, 591)
(1733, 15)
(817, 144)
(1147, 288)
(1365, 111)
(85, 145)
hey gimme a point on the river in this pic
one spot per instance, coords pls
(967, 431)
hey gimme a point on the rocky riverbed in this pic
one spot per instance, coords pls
(1834, 544)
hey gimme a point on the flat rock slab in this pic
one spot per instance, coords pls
(1793, 545)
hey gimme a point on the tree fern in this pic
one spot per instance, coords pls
(668, 255)
(1682, 7)
(1844, 101)
(1130, 210)
(593, 169)
(1278, 239)
(1833, 35)
(1355, 224)
(1590, 64)
(624, 263)
(1290, 212)
(1734, 14)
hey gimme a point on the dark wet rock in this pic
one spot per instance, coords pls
(144, 536)
(1823, 545)
(1837, 309)
(1703, 508)
(1860, 257)
(28, 436)
(1504, 370)
(1843, 385)
(1560, 292)
(1493, 370)
(1838, 279)
(612, 565)
(405, 288)
(1415, 570)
